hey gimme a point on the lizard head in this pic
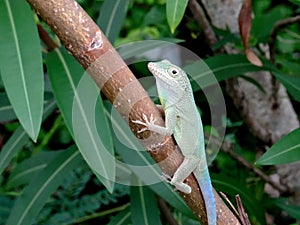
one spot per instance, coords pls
(169, 74)
(171, 81)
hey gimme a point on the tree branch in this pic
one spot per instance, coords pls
(279, 25)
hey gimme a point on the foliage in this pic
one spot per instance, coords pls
(44, 179)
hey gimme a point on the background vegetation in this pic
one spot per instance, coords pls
(45, 180)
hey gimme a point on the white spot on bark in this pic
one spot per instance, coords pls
(97, 42)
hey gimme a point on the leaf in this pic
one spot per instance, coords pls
(27, 169)
(36, 194)
(292, 210)
(21, 64)
(292, 67)
(18, 139)
(261, 30)
(245, 24)
(252, 57)
(122, 218)
(175, 12)
(144, 209)
(155, 15)
(139, 48)
(292, 84)
(220, 67)
(6, 110)
(111, 18)
(286, 150)
(254, 82)
(76, 97)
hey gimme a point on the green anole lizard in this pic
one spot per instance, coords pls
(184, 122)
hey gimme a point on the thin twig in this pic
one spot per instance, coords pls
(166, 212)
(228, 149)
(201, 19)
(278, 26)
(243, 215)
(272, 39)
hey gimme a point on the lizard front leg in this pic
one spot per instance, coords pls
(150, 125)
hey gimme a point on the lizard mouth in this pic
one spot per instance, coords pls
(155, 70)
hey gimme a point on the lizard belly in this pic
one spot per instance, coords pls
(189, 142)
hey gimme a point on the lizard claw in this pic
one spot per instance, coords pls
(166, 177)
(147, 122)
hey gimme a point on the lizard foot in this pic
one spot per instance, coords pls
(147, 122)
(182, 187)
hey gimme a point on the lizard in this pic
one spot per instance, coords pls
(182, 120)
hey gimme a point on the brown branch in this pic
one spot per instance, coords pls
(200, 17)
(279, 25)
(272, 39)
(45, 37)
(166, 211)
(243, 215)
(86, 42)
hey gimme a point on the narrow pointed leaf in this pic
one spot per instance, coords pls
(94, 143)
(175, 12)
(286, 150)
(139, 48)
(18, 139)
(292, 210)
(36, 194)
(27, 169)
(292, 84)
(221, 67)
(6, 110)
(21, 63)
(111, 18)
(144, 209)
(122, 218)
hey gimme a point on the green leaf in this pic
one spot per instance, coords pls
(292, 84)
(254, 82)
(6, 110)
(292, 210)
(297, 2)
(111, 18)
(262, 30)
(77, 96)
(18, 139)
(286, 150)
(220, 67)
(27, 169)
(122, 218)
(175, 12)
(144, 209)
(139, 48)
(155, 15)
(292, 67)
(36, 194)
(21, 64)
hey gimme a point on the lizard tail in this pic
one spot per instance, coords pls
(204, 182)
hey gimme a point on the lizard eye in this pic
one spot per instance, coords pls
(174, 72)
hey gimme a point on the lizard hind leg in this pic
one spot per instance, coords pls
(183, 171)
